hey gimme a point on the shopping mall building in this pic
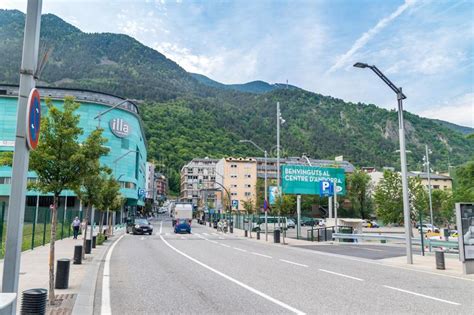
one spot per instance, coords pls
(122, 127)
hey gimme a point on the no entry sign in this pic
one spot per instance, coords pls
(33, 119)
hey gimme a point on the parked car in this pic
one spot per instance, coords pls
(307, 221)
(182, 226)
(140, 226)
(369, 224)
(428, 228)
(290, 224)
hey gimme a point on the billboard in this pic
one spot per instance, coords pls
(305, 180)
(272, 194)
(465, 226)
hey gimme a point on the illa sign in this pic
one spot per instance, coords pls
(306, 180)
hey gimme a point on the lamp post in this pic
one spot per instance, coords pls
(99, 115)
(403, 157)
(265, 202)
(427, 164)
(280, 120)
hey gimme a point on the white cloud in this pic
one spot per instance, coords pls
(459, 111)
(364, 39)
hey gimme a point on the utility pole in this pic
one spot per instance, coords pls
(427, 162)
(278, 159)
(16, 209)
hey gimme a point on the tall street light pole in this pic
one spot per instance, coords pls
(280, 120)
(16, 209)
(265, 202)
(427, 163)
(403, 156)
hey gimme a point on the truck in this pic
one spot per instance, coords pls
(182, 210)
(182, 216)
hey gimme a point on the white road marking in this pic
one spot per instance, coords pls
(183, 238)
(213, 242)
(225, 245)
(262, 255)
(340, 274)
(167, 234)
(243, 285)
(215, 234)
(221, 238)
(105, 308)
(422, 295)
(142, 238)
(242, 250)
(161, 226)
(371, 249)
(206, 234)
(294, 263)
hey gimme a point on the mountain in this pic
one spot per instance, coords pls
(258, 87)
(187, 115)
(462, 129)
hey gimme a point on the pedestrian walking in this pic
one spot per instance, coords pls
(76, 224)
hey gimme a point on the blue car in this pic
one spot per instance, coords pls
(182, 226)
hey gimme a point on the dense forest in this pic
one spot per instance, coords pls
(187, 115)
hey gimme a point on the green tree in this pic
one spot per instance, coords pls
(284, 205)
(248, 205)
(359, 192)
(443, 207)
(388, 198)
(58, 162)
(109, 191)
(464, 183)
(6, 158)
(91, 182)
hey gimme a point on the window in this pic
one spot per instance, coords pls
(190, 170)
(233, 194)
(213, 178)
(125, 143)
(5, 180)
(248, 194)
(128, 185)
(233, 166)
(248, 186)
(248, 176)
(435, 186)
(233, 186)
(233, 176)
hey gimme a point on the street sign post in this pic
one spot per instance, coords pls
(33, 119)
(306, 180)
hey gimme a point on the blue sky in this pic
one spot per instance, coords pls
(425, 46)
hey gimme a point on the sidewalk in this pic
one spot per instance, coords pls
(34, 273)
(420, 263)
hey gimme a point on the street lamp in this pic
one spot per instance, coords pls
(403, 157)
(426, 159)
(265, 203)
(280, 120)
(99, 115)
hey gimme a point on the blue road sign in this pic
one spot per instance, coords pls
(235, 204)
(141, 192)
(326, 188)
(33, 119)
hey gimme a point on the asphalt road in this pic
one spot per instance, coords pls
(211, 273)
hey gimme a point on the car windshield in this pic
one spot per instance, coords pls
(182, 221)
(141, 221)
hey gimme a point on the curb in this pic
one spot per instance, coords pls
(85, 298)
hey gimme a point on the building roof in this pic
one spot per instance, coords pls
(348, 167)
(424, 175)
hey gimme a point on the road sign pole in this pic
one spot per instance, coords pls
(330, 206)
(298, 218)
(334, 188)
(16, 212)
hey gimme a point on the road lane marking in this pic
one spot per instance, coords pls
(206, 234)
(262, 255)
(340, 274)
(221, 238)
(142, 238)
(242, 250)
(422, 295)
(293, 263)
(243, 285)
(213, 242)
(161, 227)
(215, 234)
(225, 245)
(105, 308)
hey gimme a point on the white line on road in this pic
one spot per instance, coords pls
(340, 274)
(167, 234)
(225, 245)
(243, 285)
(422, 295)
(262, 255)
(161, 226)
(221, 238)
(206, 234)
(213, 242)
(215, 234)
(242, 250)
(142, 238)
(105, 308)
(294, 263)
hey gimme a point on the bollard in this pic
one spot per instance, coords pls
(439, 255)
(77, 255)
(62, 273)
(33, 301)
(94, 241)
(246, 233)
(231, 228)
(276, 236)
(258, 235)
(88, 249)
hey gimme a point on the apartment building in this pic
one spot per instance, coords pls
(438, 181)
(239, 177)
(149, 180)
(161, 186)
(197, 181)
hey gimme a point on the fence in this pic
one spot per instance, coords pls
(37, 226)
